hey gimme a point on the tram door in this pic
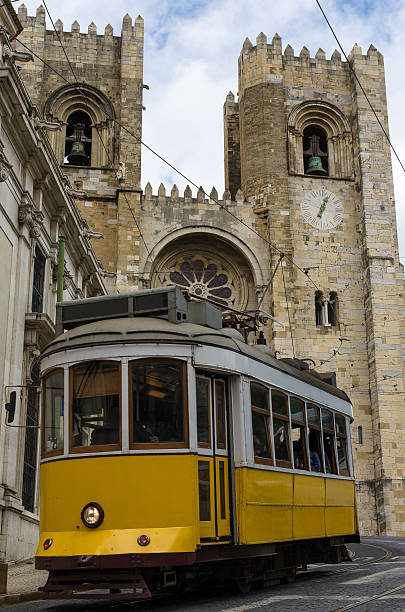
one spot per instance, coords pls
(213, 460)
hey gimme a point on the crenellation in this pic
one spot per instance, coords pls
(304, 53)
(75, 28)
(148, 191)
(247, 45)
(22, 12)
(289, 52)
(40, 15)
(336, 56)
(59, 25)
(161, 192)
(92, 29)
(200, 195)
(177, 202)
(214, 194)
(277, 43)
(320, 54)
(261, 39)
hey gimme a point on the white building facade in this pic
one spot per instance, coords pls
(37, 209)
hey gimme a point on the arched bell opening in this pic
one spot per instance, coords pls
(78, 139)
(315, 151)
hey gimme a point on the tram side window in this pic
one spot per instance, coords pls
(53, 411)
(95, 396)
(158, 403)
(314, 438)
(298, 433)
(281, 427)
(259, 397)
(341, 444)
(328, 432)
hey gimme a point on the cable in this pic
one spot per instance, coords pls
(288, 311)
(361, 86)
(128, 131)
(84, 94)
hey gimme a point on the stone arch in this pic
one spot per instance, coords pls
(82, 97)
(339, 136)
(230, 271)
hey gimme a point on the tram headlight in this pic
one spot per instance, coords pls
(92, 515)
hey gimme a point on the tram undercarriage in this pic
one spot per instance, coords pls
(136, 577)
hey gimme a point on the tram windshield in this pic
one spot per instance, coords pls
(157, 402)
(96, 404)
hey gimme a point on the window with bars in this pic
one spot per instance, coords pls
(38, 281)
(31, 443)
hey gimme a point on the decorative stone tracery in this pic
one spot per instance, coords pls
(207, 269)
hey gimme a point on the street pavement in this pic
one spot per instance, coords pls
(373, 582)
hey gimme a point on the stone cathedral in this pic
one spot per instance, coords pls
(306, 165)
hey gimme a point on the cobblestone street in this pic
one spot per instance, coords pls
(374, 581)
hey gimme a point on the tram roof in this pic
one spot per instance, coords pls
(151, 330)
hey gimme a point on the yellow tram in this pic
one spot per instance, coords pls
(174, 452)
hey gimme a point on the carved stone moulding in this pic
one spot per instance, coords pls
(5, 168)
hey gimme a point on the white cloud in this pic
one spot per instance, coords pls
(191, 53)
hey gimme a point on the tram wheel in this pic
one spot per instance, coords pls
(290, 576)
(243, 585)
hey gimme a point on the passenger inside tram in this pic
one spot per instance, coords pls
(313, 452)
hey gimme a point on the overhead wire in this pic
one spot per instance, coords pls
(179, 172)
(288, 311)
(98, 133)
(361, 86)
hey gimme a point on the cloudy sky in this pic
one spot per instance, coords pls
(191, 53)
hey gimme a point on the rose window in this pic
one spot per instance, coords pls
(203, 278)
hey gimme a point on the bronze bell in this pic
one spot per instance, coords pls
(315, 166)
(77, 155)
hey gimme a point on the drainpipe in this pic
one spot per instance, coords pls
(61, 268)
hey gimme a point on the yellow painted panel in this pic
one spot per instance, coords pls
(308, 522)
(135, 490)
(240, 494)
(309, 490)
(116, 541)
(268, 487)
(339, 492)
(268, 523)
(340, 521)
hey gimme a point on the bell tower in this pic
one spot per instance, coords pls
(100, 158)
(308, 153)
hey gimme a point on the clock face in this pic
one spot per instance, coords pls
(322, 209)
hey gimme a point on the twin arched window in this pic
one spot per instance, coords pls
(326, 309)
